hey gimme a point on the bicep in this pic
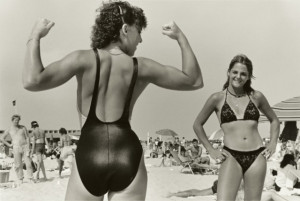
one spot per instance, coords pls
(59, 72)
(163, 75)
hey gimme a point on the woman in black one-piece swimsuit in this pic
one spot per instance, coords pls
(109, 156)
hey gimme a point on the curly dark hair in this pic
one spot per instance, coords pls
(110, 20)
(242, 59)
(63, 131)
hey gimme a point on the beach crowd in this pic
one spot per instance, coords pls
(109, 158)
(29, 149)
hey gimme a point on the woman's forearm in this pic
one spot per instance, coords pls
(190, 64)
(274, 131)
(199, 130)
(33, 64)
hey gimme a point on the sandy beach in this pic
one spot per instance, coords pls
(161, 181)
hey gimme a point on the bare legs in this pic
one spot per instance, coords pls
(60, 166)
(40, 166)
(192, 192)
(135, 191)
(230, 177)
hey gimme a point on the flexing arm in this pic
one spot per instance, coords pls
(266, 109)
(35, 76)
(189, 78)
(201, 119)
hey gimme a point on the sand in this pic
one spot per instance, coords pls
(161, 181)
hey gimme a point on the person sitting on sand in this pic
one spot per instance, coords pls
(196, 152)
(167, 160)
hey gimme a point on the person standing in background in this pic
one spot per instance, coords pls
(21, 148)
(39, 143)
(65, 141)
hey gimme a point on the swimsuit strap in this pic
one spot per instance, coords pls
(249, 98)
(129, 93)
(95, 92)
(225, 101)
(130, 90)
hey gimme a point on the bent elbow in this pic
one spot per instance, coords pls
(196, 126)
(30, 85)
(197, 85)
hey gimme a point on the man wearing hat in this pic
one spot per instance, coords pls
(39, 141)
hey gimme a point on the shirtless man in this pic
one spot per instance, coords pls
(39, 141)
(21, 147)
(196, 152)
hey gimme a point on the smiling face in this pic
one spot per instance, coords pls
(238, 75)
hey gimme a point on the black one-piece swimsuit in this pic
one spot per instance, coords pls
(108, 153)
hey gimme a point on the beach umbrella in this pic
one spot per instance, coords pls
(216, 135)
(287, 110)
(166, 132)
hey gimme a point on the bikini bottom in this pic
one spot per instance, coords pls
(245, 158)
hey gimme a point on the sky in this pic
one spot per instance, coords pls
(266, 31)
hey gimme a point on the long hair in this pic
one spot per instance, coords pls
(242, 59)
(110, 20)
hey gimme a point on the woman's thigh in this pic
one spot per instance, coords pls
(136, 190)
(230, 176)
(254, 179)
(76, 190)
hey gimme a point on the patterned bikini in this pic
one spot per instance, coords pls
(244, 158)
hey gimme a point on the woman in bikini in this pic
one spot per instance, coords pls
(109, 155)
(238, 109)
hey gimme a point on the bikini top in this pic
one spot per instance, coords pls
(124, 119)
(228, 115)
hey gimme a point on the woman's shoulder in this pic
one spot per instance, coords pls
(257, 95)
(217, 96)
(81, 58)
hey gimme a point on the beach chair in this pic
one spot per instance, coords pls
(193, 167)
(185, 164)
